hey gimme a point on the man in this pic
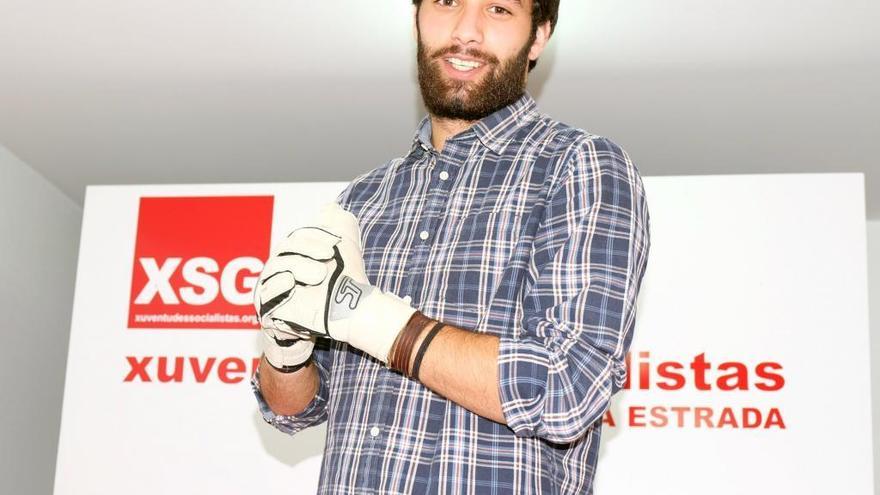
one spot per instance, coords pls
(461, 320)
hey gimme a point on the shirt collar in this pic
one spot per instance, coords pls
(495, 131)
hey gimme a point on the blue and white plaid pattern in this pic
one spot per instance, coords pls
(523, 228)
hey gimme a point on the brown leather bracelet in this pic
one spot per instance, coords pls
(403, 346)
(407, 341)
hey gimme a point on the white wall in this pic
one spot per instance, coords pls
(874, 301)
(39, 236)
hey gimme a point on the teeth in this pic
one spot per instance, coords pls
(463, 65)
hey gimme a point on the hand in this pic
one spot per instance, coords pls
(286, 347)
(316, 284)
(285, 350)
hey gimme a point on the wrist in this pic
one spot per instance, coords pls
(409, 349)
(400, 356)
(377, 323)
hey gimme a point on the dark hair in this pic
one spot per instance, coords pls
(542, 11)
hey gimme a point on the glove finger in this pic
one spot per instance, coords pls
(286, 331)
(311, 242)
(307, 271)
(339, 221)
(275, 290)
(277, 264)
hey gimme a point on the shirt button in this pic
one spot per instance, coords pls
(423, 235)
(374, 431)
(444, 175)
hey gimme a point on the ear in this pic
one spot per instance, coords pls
(542, 37)
(415, 27)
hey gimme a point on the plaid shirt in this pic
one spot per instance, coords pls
(523, 228)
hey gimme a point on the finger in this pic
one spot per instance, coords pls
(287, 331)
(275, 290)
(305, 271)
(311, 242)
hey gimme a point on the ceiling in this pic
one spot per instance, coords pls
(164, 91)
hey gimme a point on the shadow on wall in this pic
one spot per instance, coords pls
(302, 452)
(290, 450)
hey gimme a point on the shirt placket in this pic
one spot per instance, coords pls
(442, 168)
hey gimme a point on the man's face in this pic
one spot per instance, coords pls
(473, 55)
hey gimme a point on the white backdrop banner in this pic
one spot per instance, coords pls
(749, 371)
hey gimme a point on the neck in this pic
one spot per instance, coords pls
(442, 129)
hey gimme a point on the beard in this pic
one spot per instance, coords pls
(448, 98)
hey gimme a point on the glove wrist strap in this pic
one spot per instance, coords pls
(291, 369)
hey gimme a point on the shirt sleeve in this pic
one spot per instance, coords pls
(559, 369)
(316, 412)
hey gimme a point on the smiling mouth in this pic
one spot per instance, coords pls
(463, 65)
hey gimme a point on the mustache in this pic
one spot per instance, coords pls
(470, 52)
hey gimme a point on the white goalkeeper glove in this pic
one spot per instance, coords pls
(315, 284)
(286, 347)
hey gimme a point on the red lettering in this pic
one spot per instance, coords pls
(700, 366)
(777, 381)
(673, 375)
(751, 417)
(678, 380)
(774, 418)
(636, 413)
(740, 377)
(644, 372)
(608, 419)
(659, 417)
(201, 373)
(679, 410)
(701, 415)
(229, 366)
(727, 418)
(138, 368)
(176, 375)
(173, 369)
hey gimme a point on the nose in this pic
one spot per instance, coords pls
(469, 28)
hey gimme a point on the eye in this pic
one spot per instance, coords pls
(445, 3)
(495, 9)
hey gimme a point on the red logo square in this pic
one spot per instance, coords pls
(197, 260)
